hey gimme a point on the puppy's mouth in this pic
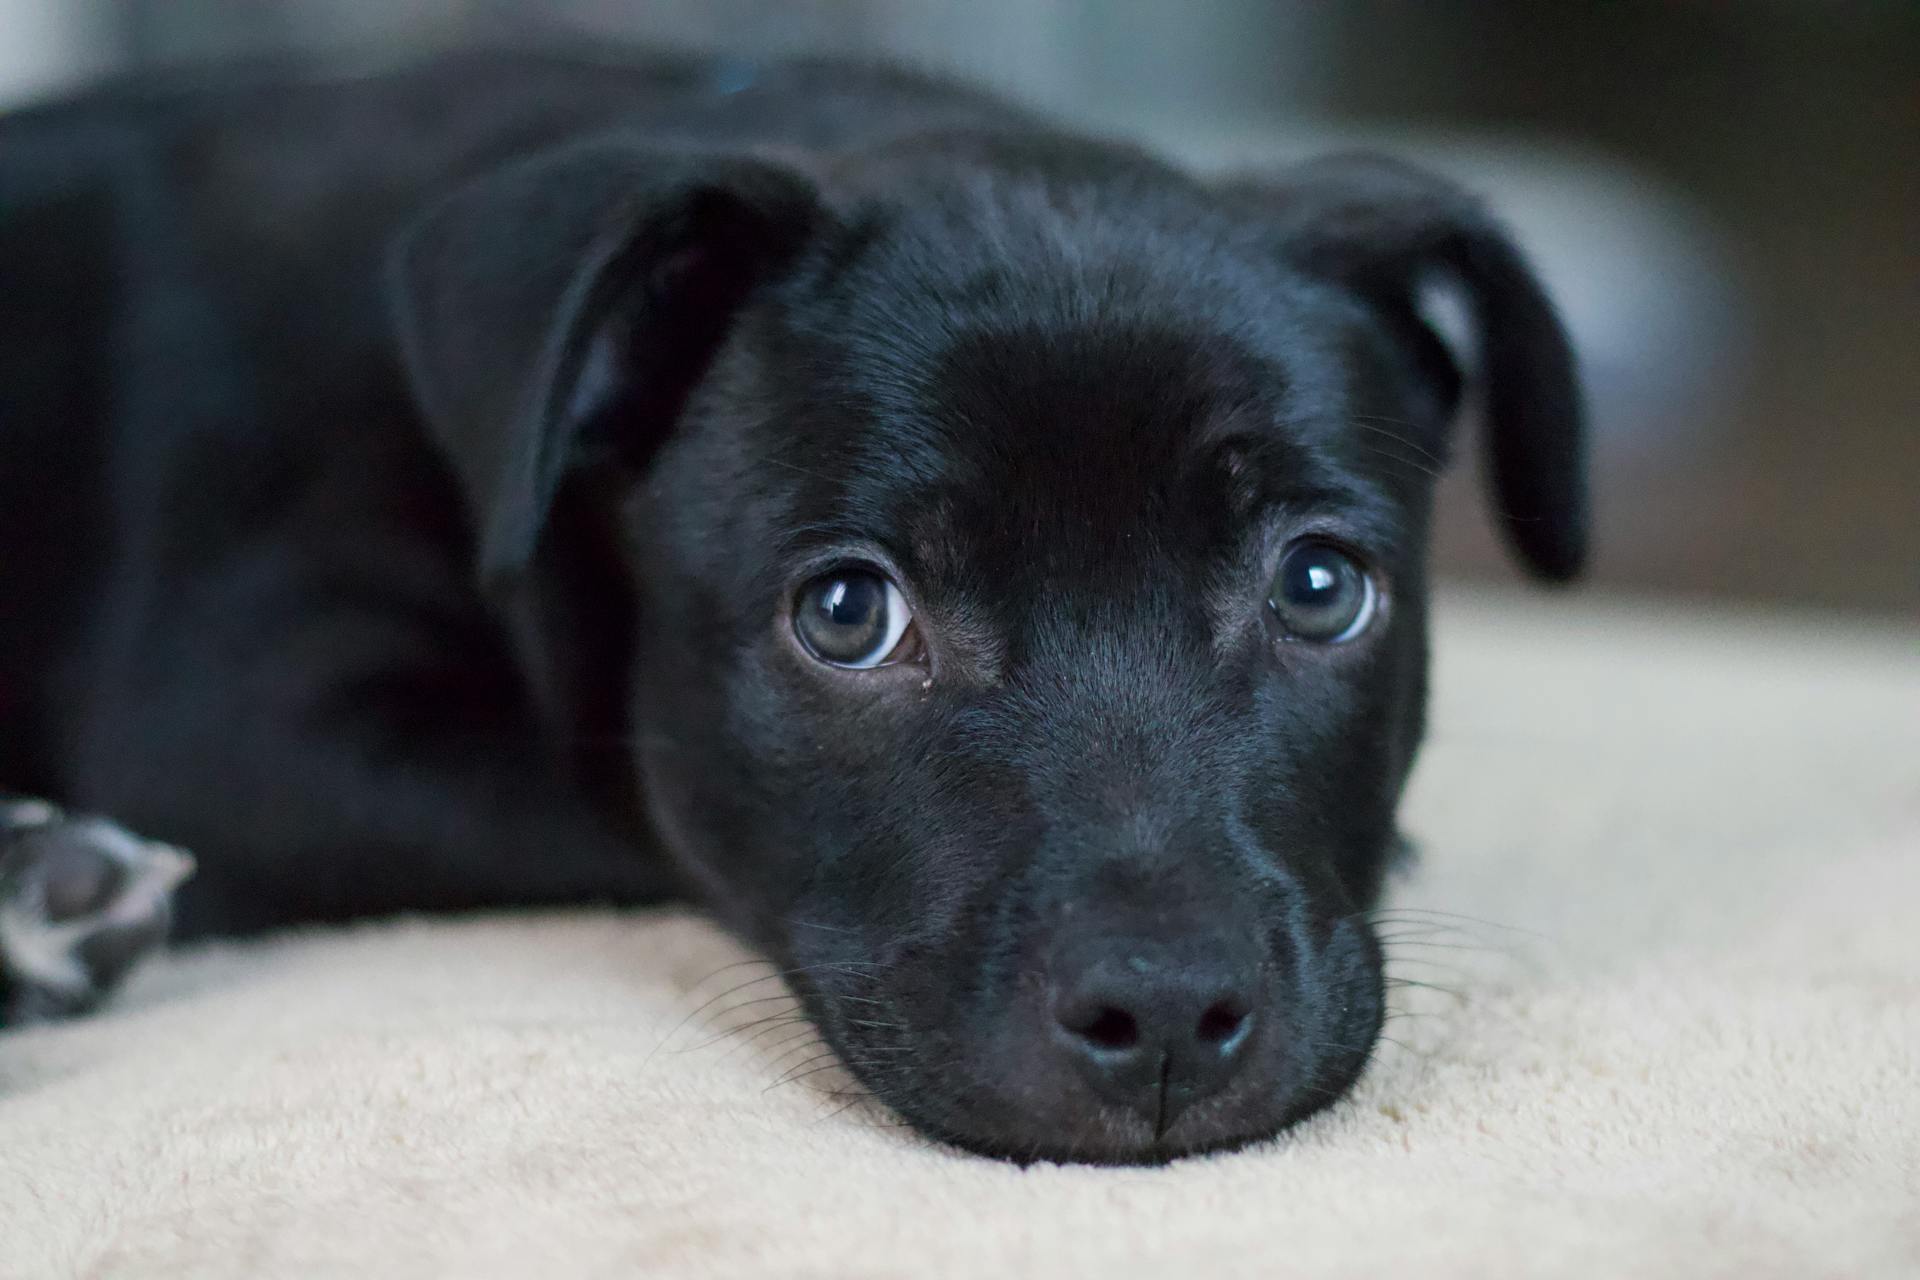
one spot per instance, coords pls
(1106, 1071)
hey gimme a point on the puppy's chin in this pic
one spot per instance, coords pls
(1004, 1119)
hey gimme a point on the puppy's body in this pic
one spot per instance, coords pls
(415, 485)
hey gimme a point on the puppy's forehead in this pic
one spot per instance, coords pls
(1086, 434)
(1039, 382)
(1051, 440)
(998, 304)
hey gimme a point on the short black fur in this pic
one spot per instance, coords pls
(407, 481)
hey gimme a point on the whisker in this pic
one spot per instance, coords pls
(1323, 1091)
(708, 1003)
(1430, 913)
(701, 1008)
(806, 1027)
(795, 467)
(1362, 421)
(1458, 972)
(795, 1077)
(848, 1105)
(748, 1004)
(1390, 420)
(1417, 928)
(1393, 950)
(1431, 938)
(803, 1063)
(781, 1016)
(774, 1027)
(1390, 456)
(813, 924)
(818, 1051)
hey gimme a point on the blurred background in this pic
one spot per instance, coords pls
(1723, 194)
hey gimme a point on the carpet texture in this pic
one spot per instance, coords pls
(1680, 1036)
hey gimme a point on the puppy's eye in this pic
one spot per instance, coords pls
(853, 618)
(1322, 594)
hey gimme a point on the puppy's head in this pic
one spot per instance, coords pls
(1030, 554)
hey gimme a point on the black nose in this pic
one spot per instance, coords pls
(1155, 1026)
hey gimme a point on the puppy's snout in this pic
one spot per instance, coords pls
(1155, 1025)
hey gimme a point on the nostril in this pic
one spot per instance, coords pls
(1221, 1022)
(1109, 1028)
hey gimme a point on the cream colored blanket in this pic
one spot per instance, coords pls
(1684, 854)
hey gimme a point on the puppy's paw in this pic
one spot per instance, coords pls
(81, 902)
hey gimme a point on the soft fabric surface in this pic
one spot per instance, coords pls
(1700, 1058)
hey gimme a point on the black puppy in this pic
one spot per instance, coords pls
(984, 566)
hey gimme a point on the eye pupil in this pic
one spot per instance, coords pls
(850, 602)
(849, 606)
(1322, 594)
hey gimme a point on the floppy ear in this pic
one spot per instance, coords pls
(578, 293)
(1383, 228)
